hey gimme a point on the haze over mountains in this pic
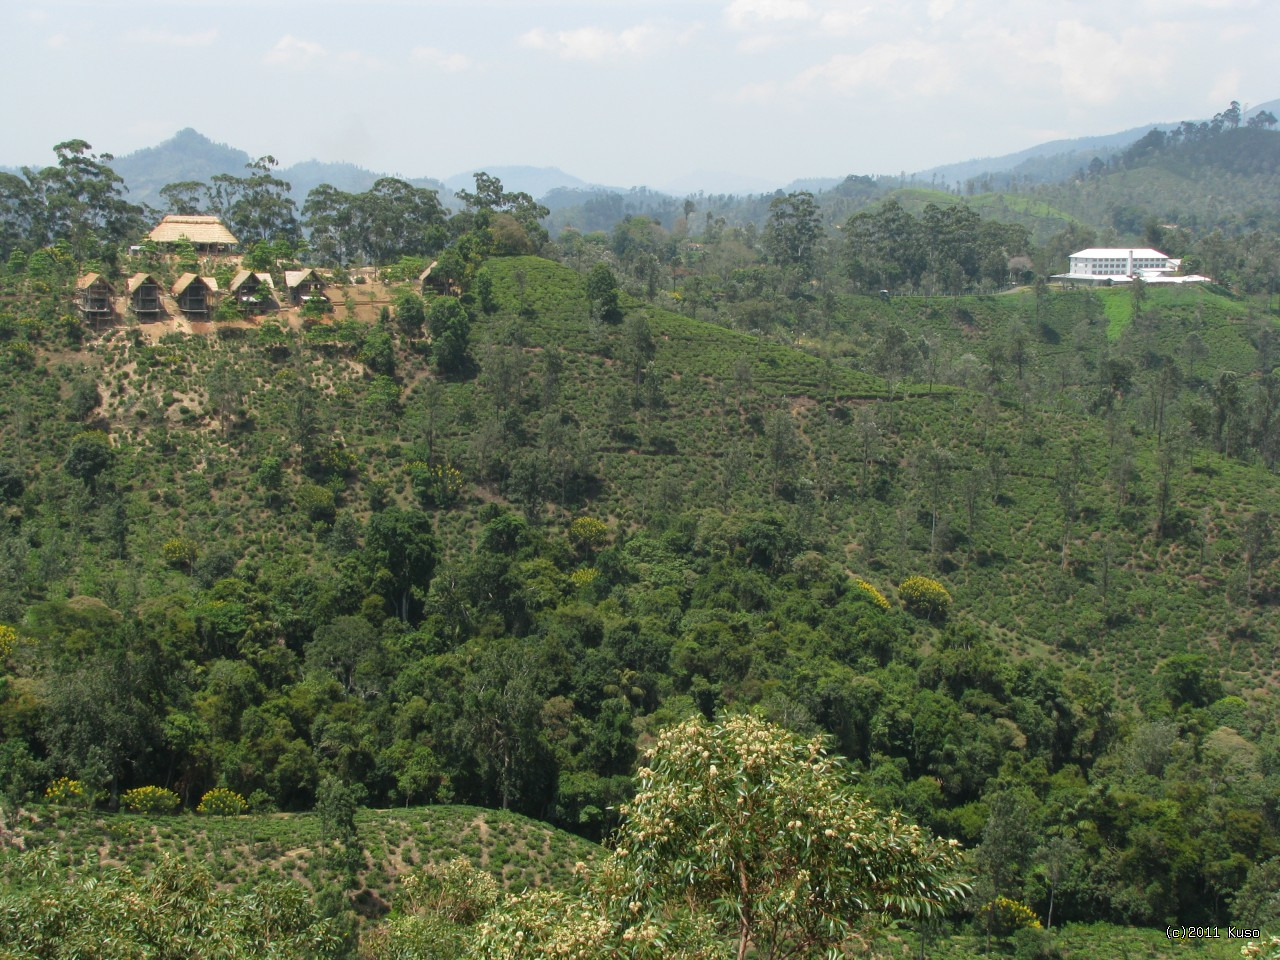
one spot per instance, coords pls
(189, 155)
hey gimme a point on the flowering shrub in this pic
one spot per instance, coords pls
(1262, 950)
(457, 891)
(66, 792)
(8, 640)
(1003, 916)
(584, 576)
(752, 821)
(316, 501)
(435, 486)
(179, 552)
(222, 803)
(924, 597)
(587, 533)
(874, 595)
(150, 800)
(338, 461)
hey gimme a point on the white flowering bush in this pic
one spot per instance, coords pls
(1262, 949)
(761, 829)
(458, 891)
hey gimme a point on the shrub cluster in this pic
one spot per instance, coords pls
(150, 800)
(924, 597)
(65, 791)
(222, 803)
(587, 532)
(872, 593)
(436, 486)
(1003, 916)
(179, 552)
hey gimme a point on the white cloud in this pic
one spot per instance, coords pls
(757, 93)
(596, 43)
(442, 59)
(290, 51)
(174, 38)
(940, 8)
(843, 19)
(770, 22)
(1226, 87)
(908, 67)
(745, 14)
(58, 41)
(358, 58)
(1096, 65)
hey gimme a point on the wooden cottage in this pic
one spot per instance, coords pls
(305, 286)
(207, 234)
(195, 295)
(144, 296)
(254, 292)
(93, 297)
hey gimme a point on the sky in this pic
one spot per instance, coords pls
(622, 92)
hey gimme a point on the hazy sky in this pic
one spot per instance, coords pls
(618, 91)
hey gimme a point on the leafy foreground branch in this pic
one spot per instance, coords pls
(743, 838)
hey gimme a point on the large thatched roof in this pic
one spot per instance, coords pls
(199, 230)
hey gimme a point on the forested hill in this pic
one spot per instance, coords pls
(486, 537)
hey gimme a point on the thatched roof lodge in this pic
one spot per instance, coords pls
(144, 295)
(253, 291)
(93, 297)
(304, 285)
(195, 294)
(207, 234)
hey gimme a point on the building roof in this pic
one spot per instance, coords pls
(196, 229)
(1120, 253)
(241, 278)
(422, 277)
(89, 279)
(138, 279)
(187, 279)
(294, 278)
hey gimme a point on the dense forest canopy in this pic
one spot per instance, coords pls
(482, 523)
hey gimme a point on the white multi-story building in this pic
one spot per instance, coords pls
(1118, 262)
(1104, 265)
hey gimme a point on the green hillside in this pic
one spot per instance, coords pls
(519, 852)
(1012, 553)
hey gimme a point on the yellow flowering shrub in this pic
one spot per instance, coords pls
(179, 552)
(222, 802)
(150, 800)
(587, 533)
(584, 577)
(924, 597)
(66, 792)
(1003, 916)
(874, 595)
(8, 640)
(436, 486)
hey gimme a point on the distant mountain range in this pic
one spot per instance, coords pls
(189, 155)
